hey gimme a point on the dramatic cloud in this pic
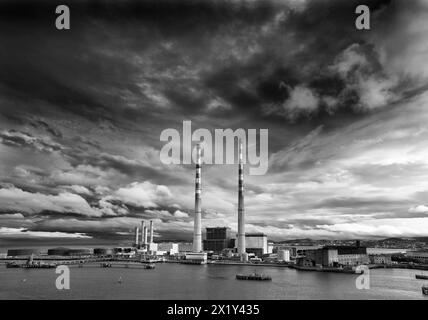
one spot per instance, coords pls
(15, 199)
(81, 114)
(23, 233)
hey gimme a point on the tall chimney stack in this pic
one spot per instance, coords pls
(143, 223)
(241, 216)
(145, 235)
(151, 231)
(136, 235)
(197, 232)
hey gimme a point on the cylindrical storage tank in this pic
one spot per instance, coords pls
(103, 252)
(22, 252)
(58, 251)
(79, 252)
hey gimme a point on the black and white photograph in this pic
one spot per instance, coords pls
(185, 150)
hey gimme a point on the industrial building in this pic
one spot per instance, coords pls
(333, 256)
(218, 239)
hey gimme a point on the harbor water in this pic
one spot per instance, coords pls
(182, 282)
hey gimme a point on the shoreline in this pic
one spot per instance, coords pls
(76, 261)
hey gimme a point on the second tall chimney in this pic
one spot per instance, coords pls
(241, 213)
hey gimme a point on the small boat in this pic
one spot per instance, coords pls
(425, 290)
(39, 266)
(12, 265)
(106, 265)
(421, 276)
(253, 276)
(120, 279)
(149, 266)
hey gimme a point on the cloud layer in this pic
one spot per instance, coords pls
(81, 113)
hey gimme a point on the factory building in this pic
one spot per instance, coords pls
(218, 239)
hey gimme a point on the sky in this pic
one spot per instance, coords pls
(82, 110)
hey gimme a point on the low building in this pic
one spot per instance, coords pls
(305, 262)
(418, 256)
(103, 252)
(60, 251)
(270, 247)
(283, 255)
(197, 257)
(169, 248)
(185, 247)
(292, 250)
(380, 258)
(22, 252)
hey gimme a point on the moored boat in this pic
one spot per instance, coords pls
(12, 265)
(253, 276)
(421, 276)
(425, 290)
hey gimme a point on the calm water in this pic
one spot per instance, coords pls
(176, 281)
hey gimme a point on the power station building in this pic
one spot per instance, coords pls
(256, 243)
(218, 239)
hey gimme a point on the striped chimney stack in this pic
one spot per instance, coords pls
(197, 232)
(136, 236)
(143, 224)
(151, 231)
(241, 216)
(145, 236)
